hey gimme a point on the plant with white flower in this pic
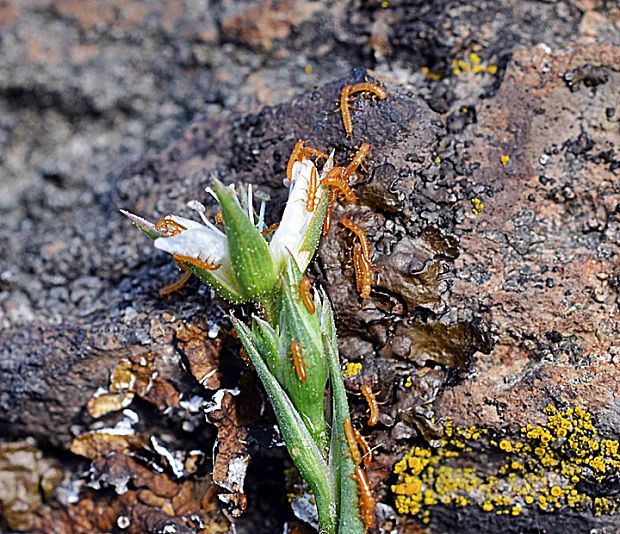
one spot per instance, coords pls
(293, 346)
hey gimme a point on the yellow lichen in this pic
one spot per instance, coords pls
(544, 467)
(477, 206)
(409, 382)
(505, 158)
(351, 369)
(473, 63)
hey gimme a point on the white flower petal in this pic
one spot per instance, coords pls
(200, 243)
(186, 223)
(291, 233)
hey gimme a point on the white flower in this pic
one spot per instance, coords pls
(206, 247)
(290, 236)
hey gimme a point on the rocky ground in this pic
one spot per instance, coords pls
(492, 202)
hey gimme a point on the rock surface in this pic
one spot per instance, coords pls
(491, 202)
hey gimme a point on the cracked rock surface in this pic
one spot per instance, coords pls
(491, 201)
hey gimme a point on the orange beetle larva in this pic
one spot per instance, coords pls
(349, 433)
(345, 112)
(363, 444)
(298, 360)
(338, 177)
(168, 227)
(359, 158)
(367, 499)
(175, 286)
(363, 272)
(347, 90)
(327, 222)
(317, 153)
(206, 265)
(300, 152)
(375, 88)
(359, 232)
(270, 229)
(369, 395)
(304, 294)
(296, 155)
(313, 186)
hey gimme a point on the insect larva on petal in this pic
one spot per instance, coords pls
(206, 264)
(296, 155)
(168, 227)
(327, 222)
(313, 186)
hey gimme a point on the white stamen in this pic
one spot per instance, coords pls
(210, 191)
(250, 205)
(261, 215)
(199, 207)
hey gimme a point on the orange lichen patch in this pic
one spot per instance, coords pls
(102, 404)
(477, 206)
(133, 376)
(545, 468)
(202, 354)
(27, 479)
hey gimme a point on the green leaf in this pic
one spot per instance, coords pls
(350, 521)
(298, 325)
(249, 253)
(299, 442)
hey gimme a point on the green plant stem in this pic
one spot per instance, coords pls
(300, 444)
(341, 464)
